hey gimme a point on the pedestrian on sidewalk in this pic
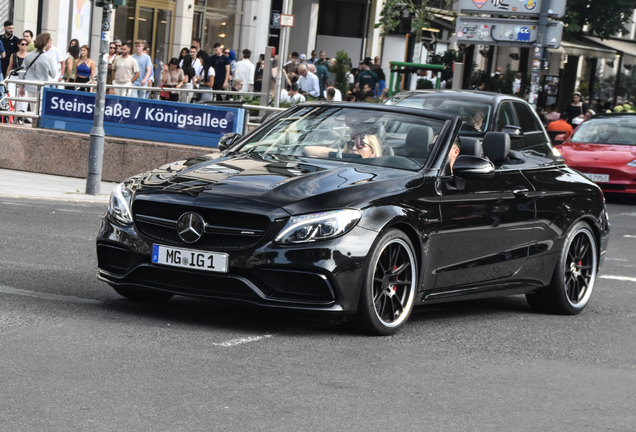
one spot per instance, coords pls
(221, 65)
(173, 78)
(15, 63)
(38, 65)
(205, 80)
(308, 82)
(126, 70)
(28, 35)
(72, 55)
(144, 63)
(85, 68)
(245, 72)
(112, 54)
(58, 58)
(10, 43)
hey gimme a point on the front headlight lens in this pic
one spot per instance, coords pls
(556, 152)
(632, 163)
(119, 204)
(318, 226)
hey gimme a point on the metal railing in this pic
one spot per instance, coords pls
(156, 90)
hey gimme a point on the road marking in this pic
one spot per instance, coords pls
(617, 259)
(72, 299)
(629, 236)
(240, 341)
(621, 278)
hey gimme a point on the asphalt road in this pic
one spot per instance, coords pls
(74, 356)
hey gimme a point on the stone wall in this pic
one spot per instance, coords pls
(65, 153)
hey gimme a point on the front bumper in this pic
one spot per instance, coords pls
(323, 276)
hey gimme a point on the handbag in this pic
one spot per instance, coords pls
(164, 93)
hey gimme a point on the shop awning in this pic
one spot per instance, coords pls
(628, 49)
(581, 48)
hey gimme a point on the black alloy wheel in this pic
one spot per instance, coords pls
(574, 277)
(388, 293)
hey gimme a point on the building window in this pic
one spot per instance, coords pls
(214, 21)
(342, 18)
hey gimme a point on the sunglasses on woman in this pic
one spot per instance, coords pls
(357, 140)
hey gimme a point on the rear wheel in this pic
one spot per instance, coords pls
(574, 277)
(388, 292)
(142, 295)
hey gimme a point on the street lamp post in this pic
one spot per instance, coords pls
(96, 146)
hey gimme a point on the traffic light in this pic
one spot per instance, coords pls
(115, 3)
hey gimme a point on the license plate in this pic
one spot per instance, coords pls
(188, 258)
(599, 178)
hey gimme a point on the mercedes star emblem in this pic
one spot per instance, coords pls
(190, 227)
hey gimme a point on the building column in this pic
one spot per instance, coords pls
(51, 20)
(184, 16)
(25, 17)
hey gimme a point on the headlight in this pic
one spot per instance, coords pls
(556, 152)
(119, 204)
(318, 226)
(632, 163)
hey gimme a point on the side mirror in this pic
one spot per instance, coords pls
(513, 131)
(473, 168)
(560, 137)
(227, 140)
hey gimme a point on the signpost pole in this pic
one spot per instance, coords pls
(96, 146)
(542, 51)
(282, 51)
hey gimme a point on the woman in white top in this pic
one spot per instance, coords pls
(205, 80)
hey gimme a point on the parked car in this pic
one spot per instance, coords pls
(603, 148)
(314, 211)
(501, 113)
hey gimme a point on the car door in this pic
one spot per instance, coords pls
(486, 229)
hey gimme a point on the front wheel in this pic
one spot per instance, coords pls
(574, 277)
(388, 291)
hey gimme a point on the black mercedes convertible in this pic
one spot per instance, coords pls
(360, 210)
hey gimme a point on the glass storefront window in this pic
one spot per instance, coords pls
(219, 27)
(214, 21)
(125, 21)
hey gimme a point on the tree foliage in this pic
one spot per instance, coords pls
(605, 18)
(446, 58)
(341, 69)
(421, 13)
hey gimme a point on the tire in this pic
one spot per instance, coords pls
(142, 295)
(388, 289)
(573, 280)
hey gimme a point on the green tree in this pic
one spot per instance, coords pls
(605, 18)
(446, 58)
(341, 69)
(421, 13)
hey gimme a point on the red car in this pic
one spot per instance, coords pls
(603, 148)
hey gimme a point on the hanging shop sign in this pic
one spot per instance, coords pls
(526, 8)
(502, 31)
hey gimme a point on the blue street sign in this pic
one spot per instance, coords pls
(144, 119)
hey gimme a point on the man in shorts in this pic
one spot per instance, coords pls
(126, 70)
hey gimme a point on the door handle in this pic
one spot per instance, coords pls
(520, 192)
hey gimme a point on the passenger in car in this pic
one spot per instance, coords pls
(476, 118)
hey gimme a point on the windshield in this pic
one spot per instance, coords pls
(475, 115)
(352, 135)
(606, 130)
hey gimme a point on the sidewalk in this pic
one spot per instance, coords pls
(20, 184)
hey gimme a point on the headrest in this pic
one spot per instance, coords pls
(496, 146)
(471, 147)
(417, 141)
(381, 134)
